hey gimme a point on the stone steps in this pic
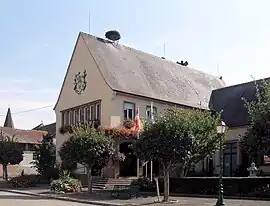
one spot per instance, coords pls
(103, 183)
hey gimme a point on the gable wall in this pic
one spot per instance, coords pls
(96, 88)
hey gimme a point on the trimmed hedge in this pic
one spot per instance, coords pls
(233, 186)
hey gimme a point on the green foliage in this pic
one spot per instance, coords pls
(179, 136)
(45, 157)
(65, 183)
(256, 140)
(144, 183)
(88, 147)
(10, 153)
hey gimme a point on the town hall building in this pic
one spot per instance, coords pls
(105, 81)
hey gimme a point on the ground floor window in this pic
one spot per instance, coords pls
(230, 159)
(82, 114)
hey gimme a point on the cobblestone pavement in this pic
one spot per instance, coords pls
(11, 199)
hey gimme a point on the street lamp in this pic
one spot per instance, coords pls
(220, 130)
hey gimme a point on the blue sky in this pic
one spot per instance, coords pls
(37, 39)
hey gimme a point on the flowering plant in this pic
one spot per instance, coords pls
(120, 133)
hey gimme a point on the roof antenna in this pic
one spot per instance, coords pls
(89, 21)
(217, 69)
(164, 49)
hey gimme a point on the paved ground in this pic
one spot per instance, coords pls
(186, 201)
(11, 199)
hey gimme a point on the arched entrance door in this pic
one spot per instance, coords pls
(128, 168)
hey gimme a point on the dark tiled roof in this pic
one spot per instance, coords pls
(37, 127)
(132, 71)
(8, 120)
(229, 99)
(24, 136)
(50, 128)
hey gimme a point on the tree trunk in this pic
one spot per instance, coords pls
(89, 179)
(186, 169)
(166, 179)
(3, 169)
(5, 172)
(183, 168)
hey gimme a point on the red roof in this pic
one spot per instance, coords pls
(24, 136)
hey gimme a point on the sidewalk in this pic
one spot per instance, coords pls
(103, 199)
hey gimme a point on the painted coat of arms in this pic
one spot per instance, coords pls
(80, 82)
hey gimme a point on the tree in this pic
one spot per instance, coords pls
(45, 154)
(89, 147)
(10, 153)
(256, 140)
(178, 136)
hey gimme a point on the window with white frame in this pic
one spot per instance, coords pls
(83, 114)
(148, 112)
(129, 110)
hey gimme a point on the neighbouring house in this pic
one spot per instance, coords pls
(105, 81)
(27, 139)
(235, 115)
(49, 128)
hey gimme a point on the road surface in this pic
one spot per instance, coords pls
(12, 199)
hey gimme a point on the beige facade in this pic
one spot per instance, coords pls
(112, 103)
(96, 89)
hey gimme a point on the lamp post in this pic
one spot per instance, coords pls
(220, 130)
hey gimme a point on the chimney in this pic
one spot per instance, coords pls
(182, 63)
(8, 120)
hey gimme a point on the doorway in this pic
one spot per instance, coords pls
(128, 167)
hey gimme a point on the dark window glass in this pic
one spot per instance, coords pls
(148, 112)
(125, 114)
(63, 118)
(98, 111)
(87, 114)
(71, 117)
(67, 118)
(92, 108)
(129, 110)
(82, 115)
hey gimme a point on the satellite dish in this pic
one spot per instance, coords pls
(113, 35)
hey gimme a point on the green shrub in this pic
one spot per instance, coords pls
(232, 186)
(24, 181)
(65, 184)
(144, 183)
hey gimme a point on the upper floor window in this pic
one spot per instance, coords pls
(81, 114)
(148, 112)
(129, 110)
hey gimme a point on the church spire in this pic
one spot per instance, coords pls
(8, 120)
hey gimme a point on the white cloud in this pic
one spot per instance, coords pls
(20, 98)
